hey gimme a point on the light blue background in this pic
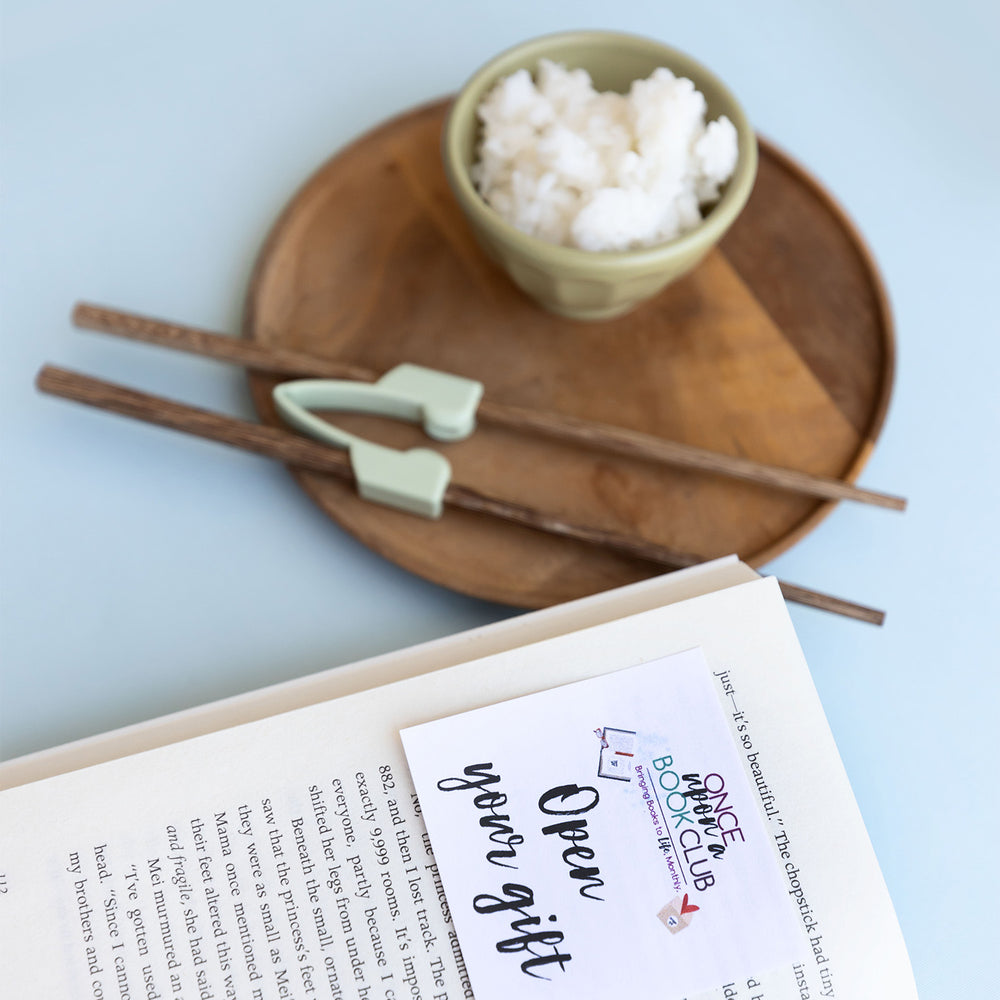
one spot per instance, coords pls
(146, 149)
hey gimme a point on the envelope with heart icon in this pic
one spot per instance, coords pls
(677, 914)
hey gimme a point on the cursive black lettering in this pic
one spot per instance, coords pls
(573, 793)
(572, 801)
(473, 770)
(478, 776)
(519, 899)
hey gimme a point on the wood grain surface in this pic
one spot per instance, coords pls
(779, 347)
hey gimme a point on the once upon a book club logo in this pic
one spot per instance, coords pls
(693, 819)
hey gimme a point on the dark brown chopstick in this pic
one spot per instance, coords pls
(281, 361)
(290, 448)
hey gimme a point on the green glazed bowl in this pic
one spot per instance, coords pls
(579, 283)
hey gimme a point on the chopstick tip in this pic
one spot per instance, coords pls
(81, 313)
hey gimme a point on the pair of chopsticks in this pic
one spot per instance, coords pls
(294, 450)
(279, 361)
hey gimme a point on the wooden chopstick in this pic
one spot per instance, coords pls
(634, 444)
(290, 448)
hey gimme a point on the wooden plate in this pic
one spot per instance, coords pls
(778, 347)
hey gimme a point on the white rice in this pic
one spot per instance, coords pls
(598, 171)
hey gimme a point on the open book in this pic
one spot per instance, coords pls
(637, 790)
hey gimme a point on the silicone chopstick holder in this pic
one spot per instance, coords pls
(414, 480)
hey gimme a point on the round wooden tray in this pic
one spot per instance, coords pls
(778, 347)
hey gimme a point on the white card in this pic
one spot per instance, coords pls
(602, 838)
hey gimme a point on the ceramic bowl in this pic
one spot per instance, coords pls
(578, 283)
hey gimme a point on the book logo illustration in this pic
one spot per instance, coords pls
(617, 753)
(677, 914)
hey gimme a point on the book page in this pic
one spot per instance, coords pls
(288, 857)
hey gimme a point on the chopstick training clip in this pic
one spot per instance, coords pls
(415, 480)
